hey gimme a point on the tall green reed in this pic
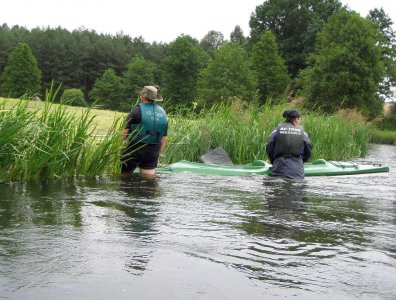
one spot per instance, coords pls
(336, 138)
(243, 130)
(101, 156)
(13, 126)
(54, 143)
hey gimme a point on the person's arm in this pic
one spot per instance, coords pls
(307, 150)
(125, 132)
(270, 148)
(133, 117)
(163, 144)
(164, 140)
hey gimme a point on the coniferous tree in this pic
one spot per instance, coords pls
(107, 91)
(140, 73)
(21, 76)
(52, 51)
(270, 68)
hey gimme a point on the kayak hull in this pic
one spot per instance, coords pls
(318, 167)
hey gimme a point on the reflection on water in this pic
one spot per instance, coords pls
(135, 197)
(136, 202)
(141, 210)
(284, 193)
(40, 203)
(180, 236)
(294, 231)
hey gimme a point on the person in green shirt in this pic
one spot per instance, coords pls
(145, 131)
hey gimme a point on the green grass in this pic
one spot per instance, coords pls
(102, 122)
(383, 136)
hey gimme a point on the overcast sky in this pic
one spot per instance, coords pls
(154, 20)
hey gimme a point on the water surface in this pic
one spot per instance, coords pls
(188, 236)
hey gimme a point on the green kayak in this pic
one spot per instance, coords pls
(257, 167)
(318, 167)
(321, 167)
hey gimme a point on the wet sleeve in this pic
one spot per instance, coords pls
(270, 148)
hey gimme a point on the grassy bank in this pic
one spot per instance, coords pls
(46, 140)
(102, 119)
(383, 136)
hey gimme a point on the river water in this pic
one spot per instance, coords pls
(188, 236)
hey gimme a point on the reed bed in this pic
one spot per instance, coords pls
(54, 141)
(336, 138)
(244, 129)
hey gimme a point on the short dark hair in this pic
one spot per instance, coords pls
(291, 114)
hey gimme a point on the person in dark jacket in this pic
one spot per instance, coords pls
(145, 131)
(289, 147)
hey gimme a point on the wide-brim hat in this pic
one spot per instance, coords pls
(151, 92)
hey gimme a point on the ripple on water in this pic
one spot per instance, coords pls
(185, 236)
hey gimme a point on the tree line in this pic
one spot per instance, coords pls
(316, 50)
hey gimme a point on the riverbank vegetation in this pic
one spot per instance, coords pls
(47, 140)
(51, 141)
(243, 131)
(317, 56)
(385, 132)
(383, 136)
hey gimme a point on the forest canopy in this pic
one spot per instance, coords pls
(304, 48)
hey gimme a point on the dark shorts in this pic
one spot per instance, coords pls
(146, 157)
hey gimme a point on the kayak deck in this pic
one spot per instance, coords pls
(321, 167)
(318, 167)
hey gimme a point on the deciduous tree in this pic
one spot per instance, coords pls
(212, 41)
(182, 65)
(386, 39)
(73, 97)
(295, 24)
(140, 73)
(237, 36)
(228, 75)
(346, 69)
